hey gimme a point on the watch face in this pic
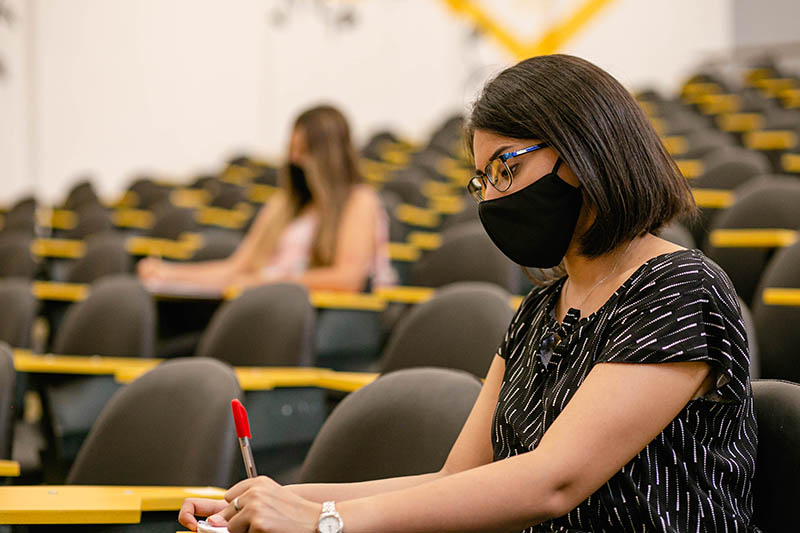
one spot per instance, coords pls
(329, 524)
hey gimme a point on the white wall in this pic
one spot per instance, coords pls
(656, 43)
(175, 87)
(15, 169)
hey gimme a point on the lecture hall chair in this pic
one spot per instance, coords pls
(776, 488)
(459, 328)
(171, 426)
(7, 394)
(466, 254)
(117, 319)
(777, 322)
(402, 424)
(766, 203)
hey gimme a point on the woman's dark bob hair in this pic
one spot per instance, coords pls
(628, 179)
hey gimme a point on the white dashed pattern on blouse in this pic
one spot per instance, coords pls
(697, 474)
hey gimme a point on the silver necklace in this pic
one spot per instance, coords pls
(605, 278)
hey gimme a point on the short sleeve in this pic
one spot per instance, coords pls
(696, 319)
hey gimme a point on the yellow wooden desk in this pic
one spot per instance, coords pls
(344, 381)
(166, 498)
(715, 104)
(447, 205)
(62, 292)
(402, 251)
(24, 361)
(781, 296)
(57, 218)
(740, 122)
(417, 216)
(9, 468)
(260, 193)
(346, 300)
(425, 240)
(183, 249)
(68, 505)
(250, 378)
(454, 170)
(224, 218)
(658, 124)
(791, 162)
(417, 295)
(690, 168)
(127, 369)
(75, 504)
(353, 301)
(433, 189)
(752, 238)
(58, 248)
(771, 140)
(775, 86)
(405, 295)
(268, 378)
(133, 218)
(713, 198)
(189, 198)
(791, 98)
(676, 144)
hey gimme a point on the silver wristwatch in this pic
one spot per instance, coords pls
(329, 520)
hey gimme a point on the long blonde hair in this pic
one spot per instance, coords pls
(331, 173)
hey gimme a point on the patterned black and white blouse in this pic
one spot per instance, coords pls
(696, 476)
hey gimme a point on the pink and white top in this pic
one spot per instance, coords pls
(293, 251)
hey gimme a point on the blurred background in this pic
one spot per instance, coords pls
(116, 88)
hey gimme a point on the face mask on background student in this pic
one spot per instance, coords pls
(297, 175)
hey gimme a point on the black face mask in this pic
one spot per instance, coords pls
(299, 183)
(534, 225)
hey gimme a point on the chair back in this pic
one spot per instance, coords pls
(269, 325)
(172, 426)
(404, 423)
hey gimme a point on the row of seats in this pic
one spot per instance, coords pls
(272, 325)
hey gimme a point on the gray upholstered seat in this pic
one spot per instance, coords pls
(402, 424)
(105, 255)
(15, 254)
(7, 384)
(460, 328)
(18, 308)
(772, 203)
(466, 254)
(172, 426)
(269, 325)
(117, 319)
(777, 325)
(776, 487)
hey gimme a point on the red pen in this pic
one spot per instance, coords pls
(243, 432)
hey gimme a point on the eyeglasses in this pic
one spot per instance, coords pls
(497, 173)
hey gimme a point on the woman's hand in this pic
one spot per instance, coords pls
(150, 269)
(266, 506)
(199, 507)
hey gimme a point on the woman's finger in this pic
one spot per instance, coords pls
(192, 507)
(244, 485)
(224, 515)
